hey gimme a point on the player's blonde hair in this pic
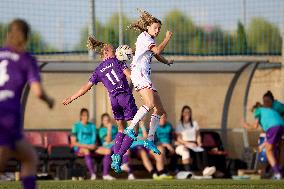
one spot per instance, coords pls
(146, 19)
(95, 45)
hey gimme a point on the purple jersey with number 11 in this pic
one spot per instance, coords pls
(110, 73)
(16, 69)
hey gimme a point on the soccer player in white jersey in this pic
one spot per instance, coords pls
(146, 48)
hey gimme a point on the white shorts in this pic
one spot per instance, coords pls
(183, 152)
(141, 80)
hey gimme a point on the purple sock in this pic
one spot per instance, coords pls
(106, 164)
(275, 169)
(29, 182)
(125, 160)
(126, 143)
(89, 163)
(117, 142)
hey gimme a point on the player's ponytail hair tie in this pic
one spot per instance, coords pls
(95, 45)
(146, 19)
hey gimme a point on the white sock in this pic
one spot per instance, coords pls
(155, 120)
(143, 110)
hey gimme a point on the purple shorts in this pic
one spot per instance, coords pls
(274, 134)
(138, 148)
(123, 106)
(10, 128)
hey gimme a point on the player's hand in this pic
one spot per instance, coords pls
(50, 102)
(169, 34)
(170, 62)
(67, 101)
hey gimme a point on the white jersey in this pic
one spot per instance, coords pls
(140, 66)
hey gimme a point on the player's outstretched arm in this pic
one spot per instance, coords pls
(85, 88)
(158, 49)
(39, 92)
(253, 126)
(162, 59)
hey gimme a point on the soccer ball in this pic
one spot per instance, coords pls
(124, 53)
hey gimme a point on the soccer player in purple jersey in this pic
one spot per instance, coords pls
(18, 67)
(112, 73)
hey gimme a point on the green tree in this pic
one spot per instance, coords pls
(183, 31)
(241, 46)
(36, 43)
(263, 37)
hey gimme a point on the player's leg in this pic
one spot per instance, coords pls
(129, 112)
(5, 154)
(273, 136)
(148, 99)
(160, 163)
(26, 154)
(121, 124)
(185, 156)
(271, 158)
(88, 161)
(142, 152)
(155, 118)
(154, 123)
(106, 166)
(281, 155)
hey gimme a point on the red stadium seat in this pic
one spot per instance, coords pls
(35, 138)
(60, 153)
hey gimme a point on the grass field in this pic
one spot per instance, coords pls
(150, 184)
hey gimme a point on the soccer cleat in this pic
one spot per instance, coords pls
(108, 177)
(151, 146)
(277, 176)
(165, 177)
(93, 177)
(131, 177)
(116, 163)
(131, 133)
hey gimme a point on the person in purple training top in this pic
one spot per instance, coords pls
(18, 67)
(112, 73)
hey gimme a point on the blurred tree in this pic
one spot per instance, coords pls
(241, 46)
(263, 37)
(183, 31)
(36, 43)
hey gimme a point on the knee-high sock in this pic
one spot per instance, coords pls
(155, 120)
(118, 142)
(29, 182)
(143, 110)
(275, 169)
(89, 164)
(126, 143)
(106, 164)
(125, 160)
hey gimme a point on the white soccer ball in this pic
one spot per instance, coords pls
(124, 53)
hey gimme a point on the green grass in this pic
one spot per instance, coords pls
(150, 184)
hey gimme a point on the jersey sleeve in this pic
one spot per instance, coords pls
(74, 131)
(102, 134)
(178, 128)
(94, 134)
(257, 113)
(147, 41)
(195, 123)
(33, 71)
(278, 106)
(94, 79)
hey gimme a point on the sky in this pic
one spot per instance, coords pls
(61, 21)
